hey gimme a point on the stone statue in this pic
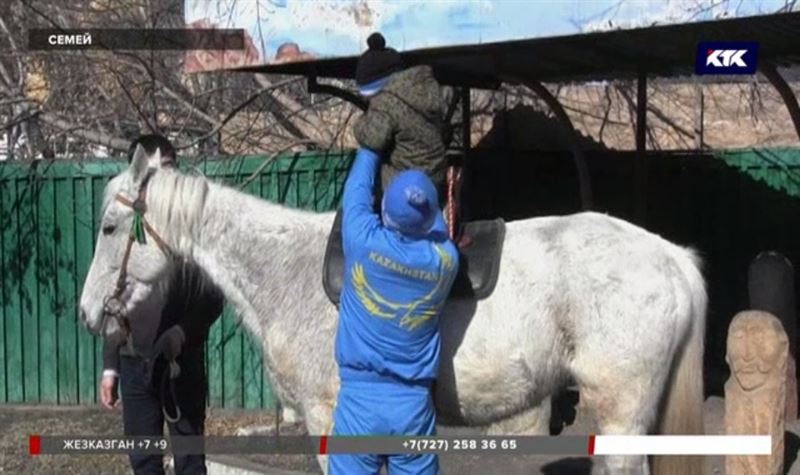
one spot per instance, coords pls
(755, 393)
(770, 285)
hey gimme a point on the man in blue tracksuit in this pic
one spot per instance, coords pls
(399, 269)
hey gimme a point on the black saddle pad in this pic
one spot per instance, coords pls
(479, 264)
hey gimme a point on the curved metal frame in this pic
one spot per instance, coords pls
(578, 156)
(316, 88)
(779, 83)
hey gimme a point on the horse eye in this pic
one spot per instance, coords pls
(109, 229)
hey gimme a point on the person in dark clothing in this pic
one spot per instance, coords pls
(404, 122)
(193, 305)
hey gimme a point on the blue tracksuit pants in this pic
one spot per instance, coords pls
(383, 407)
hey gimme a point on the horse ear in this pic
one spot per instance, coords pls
(139, 164)
(155, 159)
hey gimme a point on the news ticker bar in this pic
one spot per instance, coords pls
(494, 445)
(136, 39)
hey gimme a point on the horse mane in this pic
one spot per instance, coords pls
(175, 203)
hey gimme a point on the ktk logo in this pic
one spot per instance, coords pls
(726, 57)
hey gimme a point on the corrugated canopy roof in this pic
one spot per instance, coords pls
(667, 50)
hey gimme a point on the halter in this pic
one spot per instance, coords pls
(113, 306)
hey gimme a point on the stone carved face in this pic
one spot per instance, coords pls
(756, 342)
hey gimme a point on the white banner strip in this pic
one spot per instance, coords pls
(683, 445)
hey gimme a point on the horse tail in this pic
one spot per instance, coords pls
(682, 405)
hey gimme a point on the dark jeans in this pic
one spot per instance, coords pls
(142, 410)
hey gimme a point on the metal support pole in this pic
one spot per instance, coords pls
(448, 133)
(699, 117)
(641, 165)
(466, 120)
(789, 99)
(455, 210)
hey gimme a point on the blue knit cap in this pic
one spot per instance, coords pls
(410, 203)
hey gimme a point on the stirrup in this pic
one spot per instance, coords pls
(463, 240)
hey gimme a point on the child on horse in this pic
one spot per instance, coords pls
(404, 121)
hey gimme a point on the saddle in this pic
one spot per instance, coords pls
(479, 263)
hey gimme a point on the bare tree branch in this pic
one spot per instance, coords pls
(238, 109)
(92, 136)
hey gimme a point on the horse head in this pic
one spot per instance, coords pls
(129, 274)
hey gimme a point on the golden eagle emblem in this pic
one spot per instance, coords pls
(411, 314)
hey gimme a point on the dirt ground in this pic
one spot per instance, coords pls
(18, 422)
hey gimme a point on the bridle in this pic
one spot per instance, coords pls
(113, 306)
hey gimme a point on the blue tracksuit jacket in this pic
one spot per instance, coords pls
(393, 291)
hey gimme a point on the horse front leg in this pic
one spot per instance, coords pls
(319, 421)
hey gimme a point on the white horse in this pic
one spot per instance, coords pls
(587, 297)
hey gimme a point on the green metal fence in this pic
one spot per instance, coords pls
(48, 218)
(778, 168)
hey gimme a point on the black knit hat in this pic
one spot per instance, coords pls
(151, 143)
(378, 61)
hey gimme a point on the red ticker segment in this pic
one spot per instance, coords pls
(35, 445)
(323, 445)
(591, 444)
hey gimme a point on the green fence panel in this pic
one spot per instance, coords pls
(214, 365)
(4, 297)
(11, 299)
(779, 168)
(67, 288)
(84, 237)
(49, 213)
(31, 297)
